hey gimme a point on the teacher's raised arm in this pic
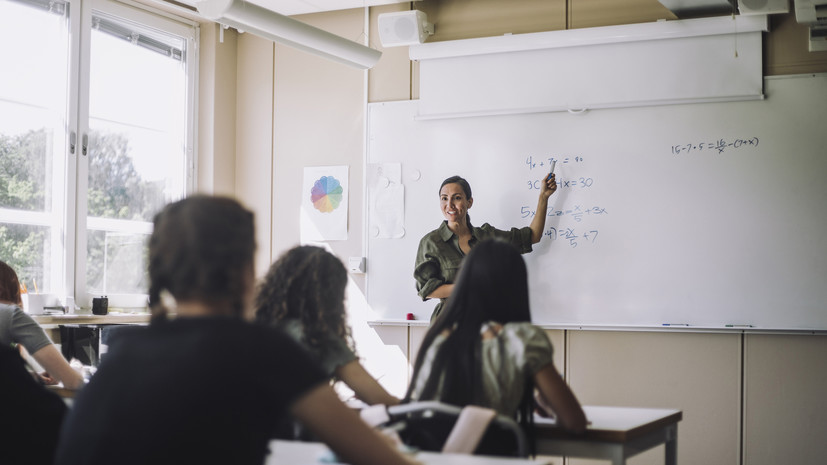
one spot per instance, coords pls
(441, 251)
(538, 223)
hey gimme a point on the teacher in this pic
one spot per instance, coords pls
(441, 251)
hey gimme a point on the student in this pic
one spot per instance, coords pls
(483, 349)
(206, 386)
(17, 327)
(441, 251)
(31, 415)
(304, 293)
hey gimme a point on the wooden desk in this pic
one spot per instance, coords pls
(615, 433)
(90, 319)
(309, 453)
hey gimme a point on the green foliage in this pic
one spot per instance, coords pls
(115, 188)
(23, 183)
(115, 191)
(23, 186)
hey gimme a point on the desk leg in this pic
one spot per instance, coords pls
(671, 445)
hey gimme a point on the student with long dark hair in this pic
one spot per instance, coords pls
(206, 386)
(304, 294)
(483, 350)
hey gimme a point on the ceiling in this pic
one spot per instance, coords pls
(297, 7)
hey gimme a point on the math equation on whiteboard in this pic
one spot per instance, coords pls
(571, 235)
(715, 147)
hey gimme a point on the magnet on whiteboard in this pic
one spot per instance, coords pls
(383, 181)
(415, 175)
(374, 231)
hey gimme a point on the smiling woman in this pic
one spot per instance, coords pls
(442, 250)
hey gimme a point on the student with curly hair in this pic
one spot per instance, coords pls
(304, 294)
(206, 386)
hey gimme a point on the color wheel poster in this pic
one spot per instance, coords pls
(324, 203)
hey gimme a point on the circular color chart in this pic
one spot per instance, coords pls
(326, 194)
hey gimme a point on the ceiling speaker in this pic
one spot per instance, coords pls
(404, 28)
(763, 7)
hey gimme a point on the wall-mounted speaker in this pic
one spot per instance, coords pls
(763, 7)
(404, 28)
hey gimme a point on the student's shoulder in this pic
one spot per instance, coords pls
(281, 336)
(11, 310)
(523, 330)
(6, 311)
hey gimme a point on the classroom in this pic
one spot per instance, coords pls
(266, 112)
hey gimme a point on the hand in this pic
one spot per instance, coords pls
(549, 186)
(46, 378)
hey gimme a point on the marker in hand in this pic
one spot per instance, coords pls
(551, 171)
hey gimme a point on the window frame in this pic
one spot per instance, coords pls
(150, 18)
(68, 216)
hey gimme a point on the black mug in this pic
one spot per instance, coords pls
(100, 305)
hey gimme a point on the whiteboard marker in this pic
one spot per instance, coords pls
(551, 171)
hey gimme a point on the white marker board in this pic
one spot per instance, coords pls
(703, 214)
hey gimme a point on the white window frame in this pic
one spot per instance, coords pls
(148, 17)
(68, 218)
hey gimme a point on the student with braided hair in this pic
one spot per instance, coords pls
(304, 294)
(206, 386)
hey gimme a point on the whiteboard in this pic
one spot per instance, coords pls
(702, 214)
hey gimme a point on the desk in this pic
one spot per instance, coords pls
(80, 335)
(615, 433)
(91, 319)
(308, 453)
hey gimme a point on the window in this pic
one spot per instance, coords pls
(96, 135)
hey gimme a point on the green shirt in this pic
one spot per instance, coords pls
(332, 352)
(439, 256)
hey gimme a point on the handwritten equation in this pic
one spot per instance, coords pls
(575, 213)
(540, 165)
(718, 146)
(570, 234)
(542, 162)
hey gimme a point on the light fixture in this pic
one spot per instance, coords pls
(404, 28)
(260, 21)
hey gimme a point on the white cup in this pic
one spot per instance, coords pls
(34, 303)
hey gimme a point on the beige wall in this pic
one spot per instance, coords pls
(267, 111)
(785, 382)
(216, 111)
(697, 373)
(318, 121)
(254, 138)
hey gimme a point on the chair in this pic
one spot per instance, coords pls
(438, 427)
